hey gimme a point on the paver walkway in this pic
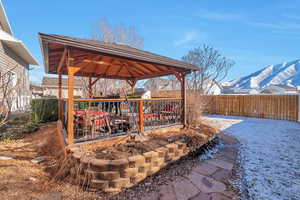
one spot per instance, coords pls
(208, 180)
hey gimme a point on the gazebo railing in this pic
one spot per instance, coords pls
(103, 118)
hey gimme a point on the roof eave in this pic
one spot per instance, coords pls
(44, 38)
(44, 54)
(20, 50)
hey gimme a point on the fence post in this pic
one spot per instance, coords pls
(141, 116)
(298, 108)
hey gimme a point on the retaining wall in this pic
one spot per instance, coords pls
(114, 175)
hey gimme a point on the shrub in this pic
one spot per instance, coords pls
(196, 106)
(44, 110)
(30, 127)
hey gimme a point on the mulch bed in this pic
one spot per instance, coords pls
(191, 136)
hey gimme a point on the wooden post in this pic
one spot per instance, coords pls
(132, 91)
(183, 96)
(132, 84)
(60, 110)
(141, 116)
(71, 72)
(298, 108)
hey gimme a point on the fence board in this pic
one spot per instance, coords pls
(281, 107)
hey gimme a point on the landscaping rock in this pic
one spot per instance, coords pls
(51, 196)
(205, 168)
(184, 189)
(221, 163)
(39, 159)
(201, 196)
(206, 184)
(166, 192)
(221, 174)
(7, 157)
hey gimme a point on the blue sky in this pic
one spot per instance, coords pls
(252, 33)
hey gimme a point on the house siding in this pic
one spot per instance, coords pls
(8, 59)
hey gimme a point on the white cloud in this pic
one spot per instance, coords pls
(36, 74)
(189, 37)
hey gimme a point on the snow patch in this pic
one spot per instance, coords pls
(269, 155)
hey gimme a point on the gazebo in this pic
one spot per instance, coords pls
(96, 59)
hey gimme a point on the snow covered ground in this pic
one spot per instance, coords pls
(270, 155)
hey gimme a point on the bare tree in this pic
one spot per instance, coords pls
(117, 34)
(9, 89)
(213, 68)
(112, 34)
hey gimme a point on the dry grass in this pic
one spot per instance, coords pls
(22, 179)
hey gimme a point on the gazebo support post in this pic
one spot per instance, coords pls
(71, 71)
(59, 96)
(132, 83)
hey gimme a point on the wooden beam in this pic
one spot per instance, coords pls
(147, 67)
(71, 72)
(179, 77)
(93, 83)
(60, 110)
(119, 70)
(183, 96)
(138, 67)
(129, 69)
(141, 116)
(108, 66)
(61, 62)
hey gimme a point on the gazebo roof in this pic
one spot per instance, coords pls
(108, 60)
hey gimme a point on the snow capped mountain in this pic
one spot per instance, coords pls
(287, 73)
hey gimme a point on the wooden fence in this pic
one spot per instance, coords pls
(282, 107)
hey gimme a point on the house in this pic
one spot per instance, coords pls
(239, 90)
(36, 91)
(279, 89)
(140, 93)
(15, 60)
(163, 84)
(50, 87)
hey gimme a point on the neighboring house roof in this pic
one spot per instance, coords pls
(238, 90)
(286, 87)
(278, 88)
(35, 86)
(4, 20)
(6, 36)
(269, 91)
(53, 82)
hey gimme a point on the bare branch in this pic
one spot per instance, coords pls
(213, 68)
(113, 34)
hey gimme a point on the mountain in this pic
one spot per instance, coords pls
(287, 73)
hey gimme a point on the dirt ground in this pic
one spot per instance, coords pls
(23, 179)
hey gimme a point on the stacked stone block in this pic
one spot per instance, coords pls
(114, 175)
